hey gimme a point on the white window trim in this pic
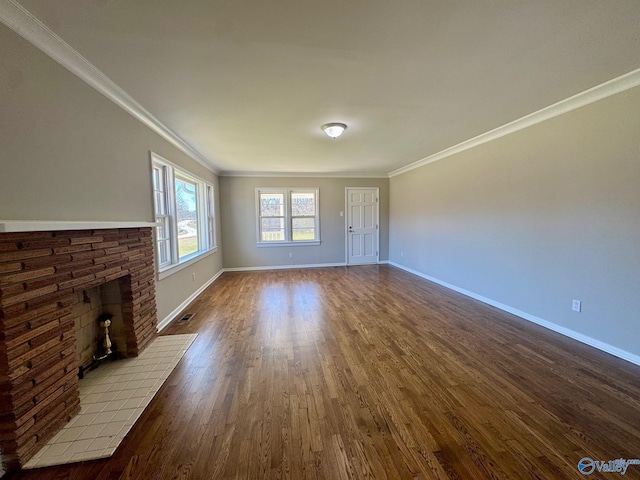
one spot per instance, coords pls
(210, 214)
(171, 171)
(288, 217)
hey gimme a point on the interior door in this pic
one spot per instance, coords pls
(362, 226)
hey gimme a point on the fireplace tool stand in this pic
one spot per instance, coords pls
(106, 352)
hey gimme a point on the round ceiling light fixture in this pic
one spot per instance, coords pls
(334, 130)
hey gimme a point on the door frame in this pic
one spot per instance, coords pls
(346, 223)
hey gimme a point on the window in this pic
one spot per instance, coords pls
(287, 216)
(163, 230)
(185, 214)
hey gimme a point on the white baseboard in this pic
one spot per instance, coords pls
(605, 347)
(169, 318)
(290, 267)
(284, 267)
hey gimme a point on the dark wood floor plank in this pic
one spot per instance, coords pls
(372, 373)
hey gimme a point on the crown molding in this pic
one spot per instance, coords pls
(25, 24)
(303, 174)
(599, 92)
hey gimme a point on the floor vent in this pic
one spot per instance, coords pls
(186, 317)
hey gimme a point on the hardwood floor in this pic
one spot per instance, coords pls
(369, 372)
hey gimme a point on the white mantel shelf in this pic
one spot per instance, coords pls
(7, 226)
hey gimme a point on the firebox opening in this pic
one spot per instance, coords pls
(91, 307)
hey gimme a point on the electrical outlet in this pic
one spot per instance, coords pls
(401, 253)
(576, 305)
(193, 276)
(290, 254)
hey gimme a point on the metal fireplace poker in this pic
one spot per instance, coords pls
(104, 351)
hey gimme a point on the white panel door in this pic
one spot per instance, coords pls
(362, 226)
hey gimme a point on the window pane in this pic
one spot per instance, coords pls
(303, 229)
(162, 235)
(187, 217)
(163, 252)
(211, 217)
(160, 205)
(272, 230)
(162, 230)
(303, 204)
(157, 179)
(159, 193)
(271, 204)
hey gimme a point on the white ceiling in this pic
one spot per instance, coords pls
(248, 83)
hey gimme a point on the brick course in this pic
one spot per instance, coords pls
(39, 274)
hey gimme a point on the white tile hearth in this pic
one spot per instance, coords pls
(112, 398)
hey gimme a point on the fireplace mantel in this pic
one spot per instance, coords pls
(8, 226)
(43, 268)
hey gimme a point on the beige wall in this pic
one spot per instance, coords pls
(68, 153)
(239, 221)
(536, 219)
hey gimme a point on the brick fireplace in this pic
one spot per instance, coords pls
(42, 278)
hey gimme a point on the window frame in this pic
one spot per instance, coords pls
(210, 200)
(162, 245)
(288, 217)
(206, 217)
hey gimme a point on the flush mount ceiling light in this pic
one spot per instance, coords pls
(334, 130)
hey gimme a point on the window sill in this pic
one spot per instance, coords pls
(287, 244)
(171, 269)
